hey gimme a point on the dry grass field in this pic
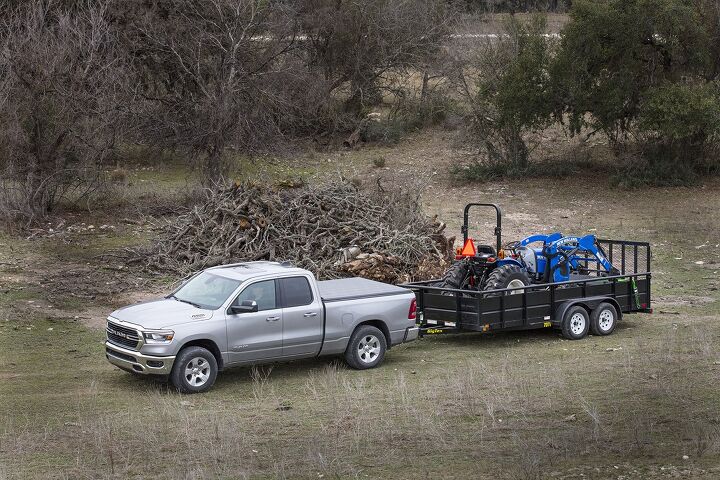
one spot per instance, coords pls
(641, 403)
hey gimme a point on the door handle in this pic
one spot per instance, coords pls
(310, 314)
(272, 319)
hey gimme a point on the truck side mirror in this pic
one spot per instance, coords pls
(247, 306)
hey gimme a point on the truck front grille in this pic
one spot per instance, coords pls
(122, 336)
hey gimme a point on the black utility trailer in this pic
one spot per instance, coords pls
(585, 304)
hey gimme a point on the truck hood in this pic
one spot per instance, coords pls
(161, 313)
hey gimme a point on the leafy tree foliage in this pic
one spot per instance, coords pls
(510, 93)
(642, 71)
(613, 52)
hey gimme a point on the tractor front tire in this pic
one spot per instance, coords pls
(507, 276)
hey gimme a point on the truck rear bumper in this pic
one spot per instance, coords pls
(411, 334)
(133, 361)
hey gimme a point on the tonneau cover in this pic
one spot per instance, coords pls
(351, 288)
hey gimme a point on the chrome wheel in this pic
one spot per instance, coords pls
(577, 324)
(197, 372)
(606, 320)
(369, 348)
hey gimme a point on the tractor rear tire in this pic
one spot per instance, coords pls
(507, 276)
(454, 277)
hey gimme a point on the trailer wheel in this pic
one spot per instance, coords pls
(366, 348)
(603, 319)
(576, 323)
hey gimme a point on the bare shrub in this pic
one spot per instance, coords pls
(262, 390)
(61, 93)
(357, 47)
(222, 73)
(704, 437)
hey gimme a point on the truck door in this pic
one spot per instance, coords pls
(302, 317)
(256, 335)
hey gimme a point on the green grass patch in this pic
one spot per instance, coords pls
(453, 405)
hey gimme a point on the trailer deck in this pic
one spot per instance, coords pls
(443, 310)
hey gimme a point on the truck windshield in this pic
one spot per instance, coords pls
(206, 291)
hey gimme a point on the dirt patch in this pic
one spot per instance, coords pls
(682, 300)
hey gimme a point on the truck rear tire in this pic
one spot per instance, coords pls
(194, 371)
(575, 323)
(603, 319)
(366, 348)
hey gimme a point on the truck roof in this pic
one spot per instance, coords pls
(245, 270)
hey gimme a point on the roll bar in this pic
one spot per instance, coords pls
(498, 222)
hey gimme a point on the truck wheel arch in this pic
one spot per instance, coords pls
(379, 324)
(208, 345)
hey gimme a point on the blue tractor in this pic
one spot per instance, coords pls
(533, 260)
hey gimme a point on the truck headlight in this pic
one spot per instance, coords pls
(159, 336)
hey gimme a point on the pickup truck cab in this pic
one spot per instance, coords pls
(258, 312)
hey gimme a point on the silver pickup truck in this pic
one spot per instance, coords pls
(258, 312)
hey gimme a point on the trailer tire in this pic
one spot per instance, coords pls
(194, 371)
(575, 323)
(507, 276)
(366, 348)
(455, 276)
(603, 319)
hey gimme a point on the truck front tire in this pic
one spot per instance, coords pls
(194, 371)
(366, 348)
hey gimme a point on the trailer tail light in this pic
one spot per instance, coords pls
(412, 313)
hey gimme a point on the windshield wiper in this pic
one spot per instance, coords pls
(184, 301)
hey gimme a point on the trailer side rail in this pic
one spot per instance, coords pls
(534, 306)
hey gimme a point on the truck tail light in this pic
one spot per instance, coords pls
(412, 314)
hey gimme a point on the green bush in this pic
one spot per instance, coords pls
(641, 72)
(511, 96)
(385, 132)
(681, 112)
(487, 170)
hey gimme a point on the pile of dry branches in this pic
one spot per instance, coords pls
(333, 229)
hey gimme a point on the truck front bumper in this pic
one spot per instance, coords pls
(134, 361)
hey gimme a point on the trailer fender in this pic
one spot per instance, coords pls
(589, 303)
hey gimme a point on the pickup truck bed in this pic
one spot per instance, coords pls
(355, 288)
